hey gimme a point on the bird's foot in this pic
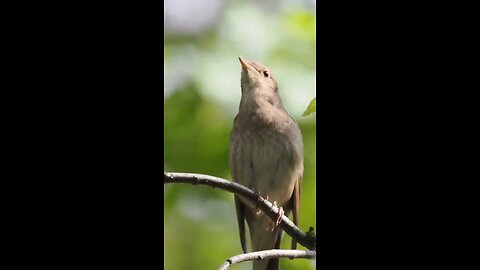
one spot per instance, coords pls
(274, 224)
(280, 214)
(258, 210)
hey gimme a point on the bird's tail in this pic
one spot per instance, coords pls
(264, 240)
(267, 264)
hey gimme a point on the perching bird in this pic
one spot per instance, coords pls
(266, 155)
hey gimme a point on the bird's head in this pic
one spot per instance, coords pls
(256, 77)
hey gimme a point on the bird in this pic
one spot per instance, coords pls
(265, 155)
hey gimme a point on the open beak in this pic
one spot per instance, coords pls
(243, 62)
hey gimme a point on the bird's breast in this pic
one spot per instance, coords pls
(268, 161)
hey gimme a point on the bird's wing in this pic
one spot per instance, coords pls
(241, 221)
(296, 196)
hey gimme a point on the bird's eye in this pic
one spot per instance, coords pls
(265, 74)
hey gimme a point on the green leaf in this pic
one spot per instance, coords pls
(312, 107)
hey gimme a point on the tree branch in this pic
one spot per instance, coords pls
(307, 240)
(264, 254)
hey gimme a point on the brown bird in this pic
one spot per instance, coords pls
(266, 155)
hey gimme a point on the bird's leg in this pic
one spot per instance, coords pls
(280, 214)
(274, 224)
(256, 209)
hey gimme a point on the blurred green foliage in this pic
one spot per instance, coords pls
(202, 77)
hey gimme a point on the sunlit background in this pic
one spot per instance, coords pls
(203, 40)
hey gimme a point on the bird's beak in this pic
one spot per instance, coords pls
(243, 62)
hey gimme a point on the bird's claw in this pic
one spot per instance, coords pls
(280, 215)
(275, 223)
(258, 210)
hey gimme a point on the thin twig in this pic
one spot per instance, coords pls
(265, 254)
(306, 240)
